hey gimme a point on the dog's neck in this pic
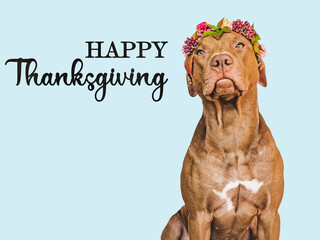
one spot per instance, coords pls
(231, 125)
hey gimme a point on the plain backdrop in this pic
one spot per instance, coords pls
(72, 168)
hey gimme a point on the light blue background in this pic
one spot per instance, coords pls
(73, 168)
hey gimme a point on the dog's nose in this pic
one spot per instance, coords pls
(222, 62)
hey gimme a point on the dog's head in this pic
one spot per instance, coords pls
(226, 67)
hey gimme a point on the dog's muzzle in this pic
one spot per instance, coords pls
(224, 86)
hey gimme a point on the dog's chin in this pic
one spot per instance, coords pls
(224, 89)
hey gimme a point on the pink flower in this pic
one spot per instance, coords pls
(246, 24)
(237, 25)
(262, 50)
(202, 27)
(243, 28)
(226, 23)
(189, 45)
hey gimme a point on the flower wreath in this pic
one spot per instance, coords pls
(224, 26)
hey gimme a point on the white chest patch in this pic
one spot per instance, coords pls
(252, 186)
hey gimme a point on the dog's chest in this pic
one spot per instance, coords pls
(236, 190)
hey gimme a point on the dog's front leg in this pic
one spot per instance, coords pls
(199, 225)
(269, 225)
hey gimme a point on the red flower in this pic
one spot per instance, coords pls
(202, 27)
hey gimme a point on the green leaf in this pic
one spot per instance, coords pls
(212, 26)
(253, 39)
(226, 29)
(255, 42)
(207, 33)
(257, 37)
(219, 24)
(217, 34)
(256, 49)
(195, 35)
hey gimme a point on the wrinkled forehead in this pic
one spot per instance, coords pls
(225, 40)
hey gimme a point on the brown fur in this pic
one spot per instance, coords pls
(231, 142)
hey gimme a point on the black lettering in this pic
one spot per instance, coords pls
(33, 74)
(58, 78)
(103, 87)
(112, 49)
(97, 49)
(76, 77)
(126, 49)
(139, 78)
(141, 49)
(90, 84)
(19, 62)
(131, 77)
(160, 85)
(43, 79)
(159, 49)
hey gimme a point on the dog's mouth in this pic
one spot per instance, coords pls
(224, 88)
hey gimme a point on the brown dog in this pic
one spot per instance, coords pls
(232, 176)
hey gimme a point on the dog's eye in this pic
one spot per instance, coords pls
(240, 45)
(200, 52)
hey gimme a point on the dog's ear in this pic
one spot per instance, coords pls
(188, 66)
(262, 74)
(191, 90)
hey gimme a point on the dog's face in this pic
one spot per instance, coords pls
(224, 68)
